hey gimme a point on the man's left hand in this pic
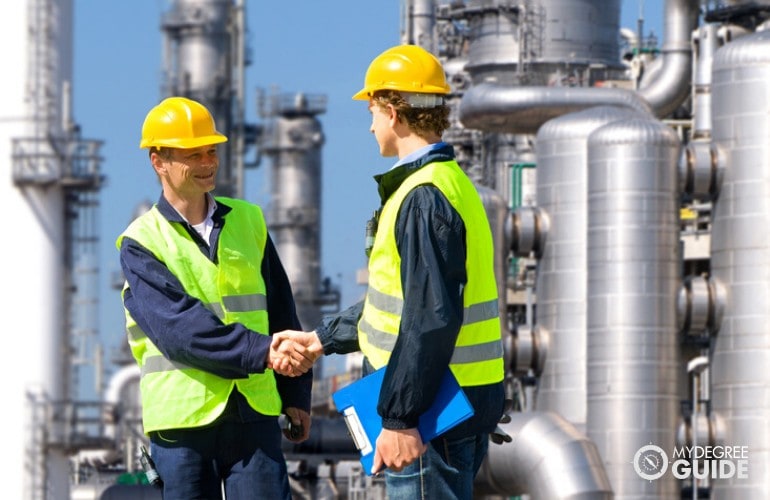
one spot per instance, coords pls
(299, 418)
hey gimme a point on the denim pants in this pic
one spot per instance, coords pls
(245, 457)
(445, 471)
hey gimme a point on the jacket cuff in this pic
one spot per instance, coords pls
(397, 424)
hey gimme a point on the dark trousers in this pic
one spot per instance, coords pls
(244, 458)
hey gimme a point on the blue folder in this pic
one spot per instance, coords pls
(358, 404)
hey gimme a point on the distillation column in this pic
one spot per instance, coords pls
(740, 259)
(39, 33)
(293, 141)
(203, 61)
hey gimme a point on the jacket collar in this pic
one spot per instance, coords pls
(170, 213)
(388, 182)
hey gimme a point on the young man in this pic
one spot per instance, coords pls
(432, 299)
(204, 290)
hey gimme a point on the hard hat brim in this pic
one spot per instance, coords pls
(362, 95)
(186, 143)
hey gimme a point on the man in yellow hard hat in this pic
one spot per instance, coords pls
(432, 296)
(204, 291)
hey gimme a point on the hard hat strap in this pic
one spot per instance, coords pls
(420, 100)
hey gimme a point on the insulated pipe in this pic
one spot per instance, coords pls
(670, 85)
(522, 110)
(112, 397)
(707, 43)
(548, 459)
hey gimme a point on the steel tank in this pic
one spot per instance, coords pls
(507, 34)
(740, 259)
(632, 285)
(562, 185)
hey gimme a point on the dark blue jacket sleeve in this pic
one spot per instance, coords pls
(430, 236)
(339, 333)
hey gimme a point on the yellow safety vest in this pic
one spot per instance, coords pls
(175, 395)
(478, 353)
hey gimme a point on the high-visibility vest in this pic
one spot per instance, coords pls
(175, 395)
(478, 352)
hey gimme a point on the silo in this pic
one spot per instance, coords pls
(38, 37)
(633, 280)
(562, 184)
(740, 259)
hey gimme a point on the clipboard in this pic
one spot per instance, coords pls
(357, 402)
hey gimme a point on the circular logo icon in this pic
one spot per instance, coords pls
(650, 462)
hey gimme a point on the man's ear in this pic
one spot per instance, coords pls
(392, 115)
(157, 163)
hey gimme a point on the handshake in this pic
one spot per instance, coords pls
(292, 353)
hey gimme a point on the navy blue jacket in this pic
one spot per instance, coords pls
(184, 330)
(430, 236)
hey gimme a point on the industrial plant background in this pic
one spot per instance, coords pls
(622, 151)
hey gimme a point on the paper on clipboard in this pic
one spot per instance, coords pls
(357, 403)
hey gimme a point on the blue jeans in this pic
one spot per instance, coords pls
(246, 457)
(445, 471)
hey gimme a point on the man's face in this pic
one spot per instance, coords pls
(189, 172)
(383, 121)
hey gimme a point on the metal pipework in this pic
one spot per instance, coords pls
(633, 278)
(699, 165)
(522, 110)
(114, 395)
(705, 43)
(529, 231)
(548, 459)
(700, 306)
(740, 257)
(669, 86)
(529, 351)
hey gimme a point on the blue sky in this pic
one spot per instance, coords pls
(310, 46)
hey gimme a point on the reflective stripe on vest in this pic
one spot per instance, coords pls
(478, 353)
(174, 394)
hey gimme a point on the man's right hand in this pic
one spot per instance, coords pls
(293, 353)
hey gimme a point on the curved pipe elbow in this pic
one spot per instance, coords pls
(547, 458)
(671, 84)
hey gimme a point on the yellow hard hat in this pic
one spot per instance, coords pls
(406, 68)
(178, 122)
